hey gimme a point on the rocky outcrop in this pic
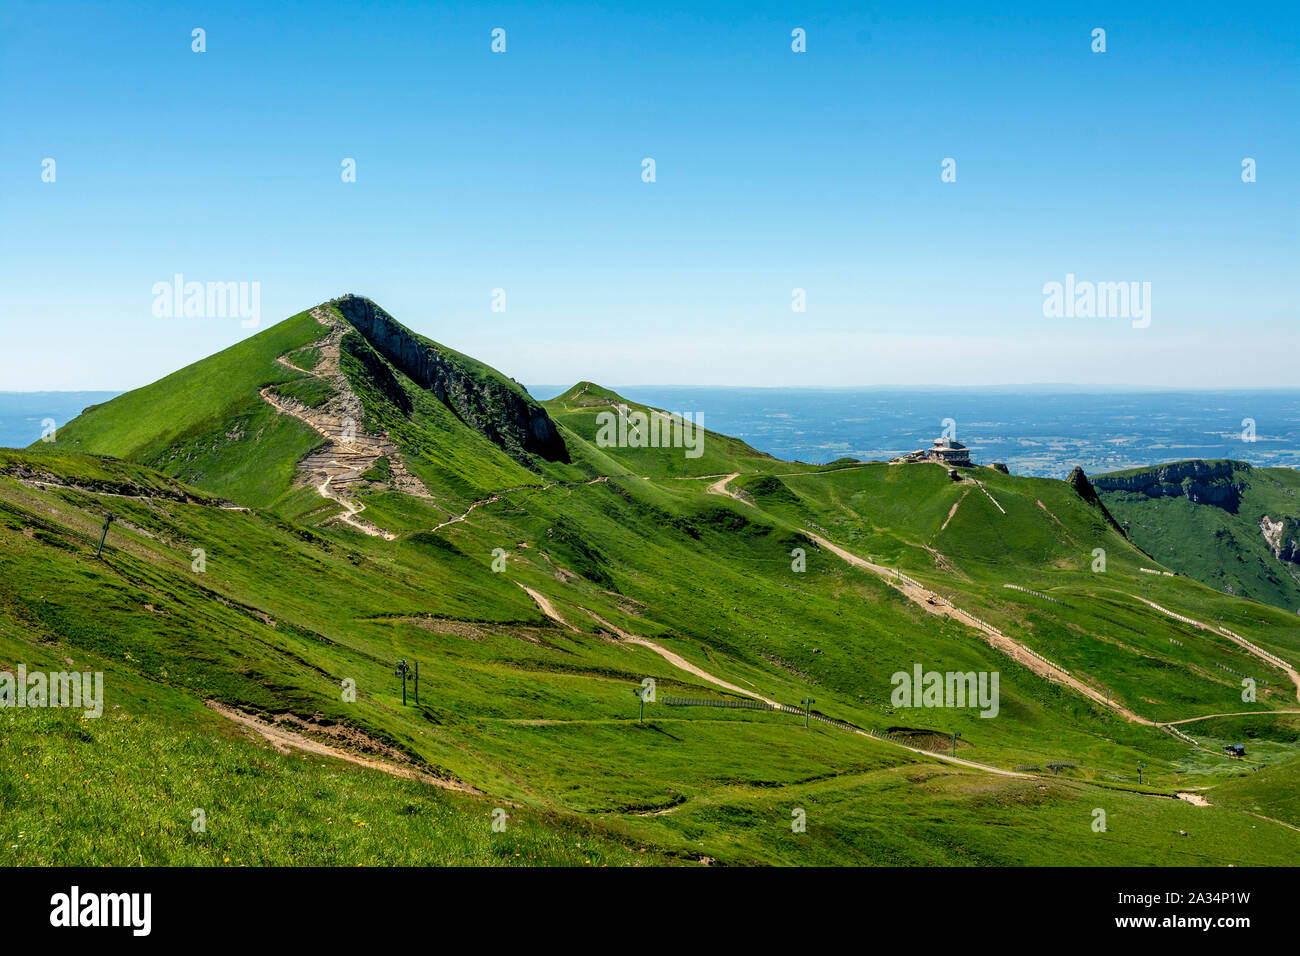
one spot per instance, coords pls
(1202, 482)
(1078, 480)
(1281, 537)
(482, 398)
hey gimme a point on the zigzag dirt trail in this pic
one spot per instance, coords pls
(336, 468)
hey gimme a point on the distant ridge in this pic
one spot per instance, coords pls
(1229, 524)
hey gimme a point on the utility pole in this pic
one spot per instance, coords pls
(807, 709)
(955, 735)
(417, 683)
(1141, 767)
(108, 520)
(404, 672)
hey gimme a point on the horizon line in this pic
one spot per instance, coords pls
(892, 386)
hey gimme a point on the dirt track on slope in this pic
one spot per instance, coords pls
(491, 499)
(953, 511)
(676, 660)
(461, 517)
(920, 596)
(1007, 645)
(1013, 648)
(719, 487)
(284, 740)
(1240, 713)
(547, 608)
(681, 663)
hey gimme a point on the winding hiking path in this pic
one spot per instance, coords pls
(350, 452)
(326, 465)
(461, 517)
(676, 660)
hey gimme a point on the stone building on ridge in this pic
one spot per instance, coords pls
(944, 451)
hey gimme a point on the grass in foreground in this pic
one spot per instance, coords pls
(122, 790)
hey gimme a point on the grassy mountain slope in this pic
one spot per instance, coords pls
(209, 424)
(644, 565)
(141, 423)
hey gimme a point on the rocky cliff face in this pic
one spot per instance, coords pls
(488, 402)
(1202, 482)
(1281, 536)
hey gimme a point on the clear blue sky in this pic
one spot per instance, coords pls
(775, 170)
